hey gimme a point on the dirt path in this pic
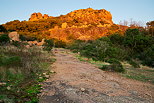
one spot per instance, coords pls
(81, 82)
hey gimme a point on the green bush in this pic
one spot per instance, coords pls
(112, 60)
(134, 45)
(135, 40)
(4, 38)
(16, 43)
(100, 49)
(147, 57)
(48, 45)
(116, 38)
(10, 61)
(60, 44)
(114, 66)
(2, 28)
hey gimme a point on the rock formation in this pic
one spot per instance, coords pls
(14, 36)
(82, 24)
(89, 16)
(38, 16)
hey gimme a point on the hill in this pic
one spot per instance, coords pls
(82, 24)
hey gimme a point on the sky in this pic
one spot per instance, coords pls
(136, 10)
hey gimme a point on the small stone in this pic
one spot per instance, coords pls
(2, 84)
(47, 76)
(8, 88)
(40, 78)
(44, 73)
(52, 71)
(82, 89)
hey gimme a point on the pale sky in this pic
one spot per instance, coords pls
(138, 10)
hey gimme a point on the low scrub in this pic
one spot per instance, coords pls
(114, 66)
(48, 45)
(4, 38)
(134, 45)
(21, 70)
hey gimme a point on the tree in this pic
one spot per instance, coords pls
(150, 26)
(2, 29)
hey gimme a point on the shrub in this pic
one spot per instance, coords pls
(113, 52)
(112, 60)
(16, 43)
(22, 37)
(137, 41)
(100, 49)
(10, 61)
(147, 57)
(116, 38)
(114, 66)
(4, 38)
(93, 49)
(2, 28)
(48, 45)
(134, 45)
(134, 63)
(60, 44)
(76, 45)
(21, 69)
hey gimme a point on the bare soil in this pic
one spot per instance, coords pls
(81, 82)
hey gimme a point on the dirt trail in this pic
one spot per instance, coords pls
(81, 82)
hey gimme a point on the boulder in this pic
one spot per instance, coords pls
(64, 25)
(14, 36)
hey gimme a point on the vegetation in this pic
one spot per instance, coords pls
(115, 66)
(48, 45)
(150, 26)
(4, 38)
(21, 70)
(144, 73)
(38, 29)
(134, 47)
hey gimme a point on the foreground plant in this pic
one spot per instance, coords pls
(21, 70)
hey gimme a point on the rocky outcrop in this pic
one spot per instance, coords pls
(82, 24)
(89, 16)
(38, 16)
(81, 16)
(14, 36)
(45, 16)
(32, 43)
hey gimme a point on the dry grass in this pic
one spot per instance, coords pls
(20, 69)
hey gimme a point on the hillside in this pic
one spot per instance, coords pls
(82, 24)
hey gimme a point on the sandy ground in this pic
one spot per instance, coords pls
(81, 82)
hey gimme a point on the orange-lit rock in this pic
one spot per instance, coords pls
(14, 36)
(38, 16)
(45, 16)
(82, 24)
(89, 16)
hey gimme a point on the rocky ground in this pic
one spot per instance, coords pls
(80, 82)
